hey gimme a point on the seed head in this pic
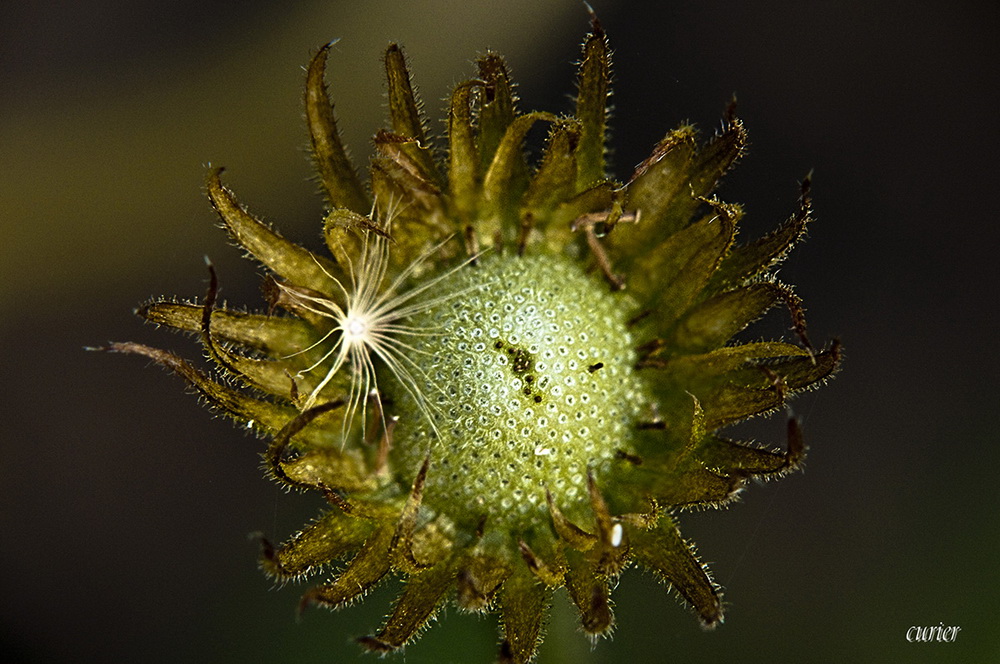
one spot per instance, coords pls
(548, 353)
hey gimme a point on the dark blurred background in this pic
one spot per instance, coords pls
(125, 507)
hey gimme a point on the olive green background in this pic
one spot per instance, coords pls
(125, 507)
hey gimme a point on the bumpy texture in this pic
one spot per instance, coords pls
(532, 378)
(506, 377)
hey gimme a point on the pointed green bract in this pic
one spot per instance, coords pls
(274, 335)
(713, 322)
(499, 213)
(683, 265)
(663, 551)
(334, 535)
(404, 111)
(686, 488)
(340, 180)
(728, 359)
(670, 185)
(330, 469)
(255, 413)
(656, 187)
(404, 153)
(496, 109)
(284, 258)
(366, 569)
(479, 579)
(710, 163)
(749, 260)
(524, 603)
(419, 602)
(733, 380)
(752, 391)
(591, 594)
(553, 183)
(592, 106)
(545, 558)
(731, 457)
(274, 377)
(463, 154)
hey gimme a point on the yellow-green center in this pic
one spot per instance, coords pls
(529, 374)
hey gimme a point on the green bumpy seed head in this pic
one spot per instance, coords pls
(530, 381)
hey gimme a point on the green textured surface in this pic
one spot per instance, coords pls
(518, 403)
